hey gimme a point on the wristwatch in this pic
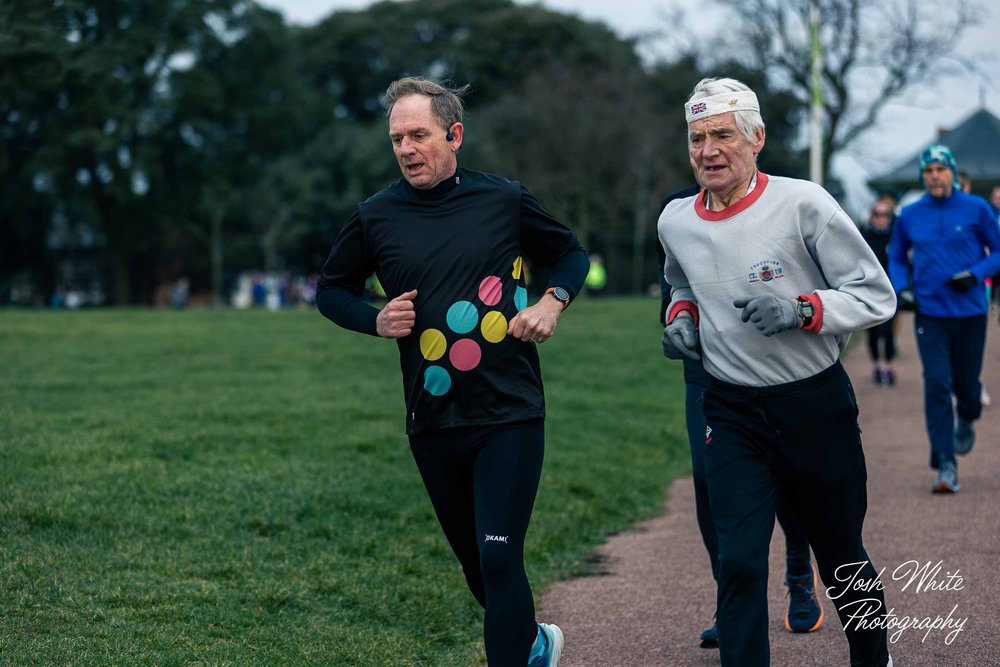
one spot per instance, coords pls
(560, 295)
(805, 310)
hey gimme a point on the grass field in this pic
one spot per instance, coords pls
(235, 487)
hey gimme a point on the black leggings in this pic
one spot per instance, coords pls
(482, 482)
(881, 336)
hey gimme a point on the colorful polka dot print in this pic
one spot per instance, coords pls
(461, 319)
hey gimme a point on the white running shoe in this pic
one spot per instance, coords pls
(554, 644)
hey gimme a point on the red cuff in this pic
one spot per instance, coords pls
(817, 305)
(689, 306)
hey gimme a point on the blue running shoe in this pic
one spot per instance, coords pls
(965, 437)
(947, 479)
(804, 611)
(549, 655)
(710, 638)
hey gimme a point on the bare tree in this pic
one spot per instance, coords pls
(873, 51)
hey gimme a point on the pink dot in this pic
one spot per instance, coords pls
(490, 290)
(465, 354)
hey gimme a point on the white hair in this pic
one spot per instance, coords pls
(747, 121)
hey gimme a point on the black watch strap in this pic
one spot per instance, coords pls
(805, 310)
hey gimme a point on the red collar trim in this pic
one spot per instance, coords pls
(728, 212)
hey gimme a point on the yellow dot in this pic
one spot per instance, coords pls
(494, 326)
(517, 269)
(432, 344)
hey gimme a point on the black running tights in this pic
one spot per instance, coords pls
(482, 482)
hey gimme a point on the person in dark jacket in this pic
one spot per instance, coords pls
(882, 337)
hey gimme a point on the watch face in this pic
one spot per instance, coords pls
(560, 294)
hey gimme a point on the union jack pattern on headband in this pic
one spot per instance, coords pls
(698, 107)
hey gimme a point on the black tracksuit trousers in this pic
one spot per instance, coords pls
(801, 438)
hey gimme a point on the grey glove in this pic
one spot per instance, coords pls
(769, 314)
(680, 339)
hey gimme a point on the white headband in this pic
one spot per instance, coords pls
(713, 105)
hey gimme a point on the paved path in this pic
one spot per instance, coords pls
(654, 594)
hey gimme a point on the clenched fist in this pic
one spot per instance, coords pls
(398, 317)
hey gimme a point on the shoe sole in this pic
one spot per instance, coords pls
(822, 614)
(709, 643)
(556, 640)
(945, 489)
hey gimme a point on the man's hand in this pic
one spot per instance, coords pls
(396, 320)
(769, 314)
(537, 323)
(963, 281)
(906, 299)
(680, 339)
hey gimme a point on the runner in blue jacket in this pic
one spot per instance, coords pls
(955, 240)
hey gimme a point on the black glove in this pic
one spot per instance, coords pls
(680, 339)
(962, 281)
(906, 299)
(769, 314)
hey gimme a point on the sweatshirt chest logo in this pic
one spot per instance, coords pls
(765, 271)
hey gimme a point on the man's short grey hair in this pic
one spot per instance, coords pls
(747, 121)
(446, 103)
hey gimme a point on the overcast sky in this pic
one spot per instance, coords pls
(905, 125)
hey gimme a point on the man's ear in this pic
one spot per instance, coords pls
(758, 141)
(457, 130)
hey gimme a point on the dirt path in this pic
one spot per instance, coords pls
(655, 593)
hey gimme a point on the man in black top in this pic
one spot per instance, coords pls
(448, 247)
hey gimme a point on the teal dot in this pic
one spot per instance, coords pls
(437, 382)
(462, 317)
(520, 298)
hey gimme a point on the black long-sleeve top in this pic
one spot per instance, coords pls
(462, 246)
(878, 241)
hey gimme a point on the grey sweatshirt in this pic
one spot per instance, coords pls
(788, 237)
